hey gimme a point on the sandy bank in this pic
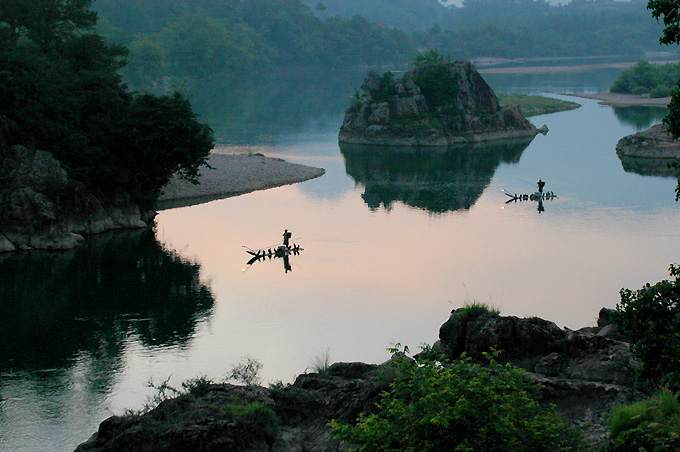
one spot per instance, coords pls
(233, 175)
(561, 69)
(625, 100)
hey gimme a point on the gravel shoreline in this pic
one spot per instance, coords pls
(233, 175)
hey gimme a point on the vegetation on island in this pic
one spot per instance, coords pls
(61, 92)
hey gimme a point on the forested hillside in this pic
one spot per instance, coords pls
(205, 40)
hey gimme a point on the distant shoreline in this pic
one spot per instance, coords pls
(562, 69)
(624, 100)
(233, 175)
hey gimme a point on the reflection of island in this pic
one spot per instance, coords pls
(640, 117)
(437, 180)
(56, 306)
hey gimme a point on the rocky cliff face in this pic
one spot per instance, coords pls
(428, 107)
(584, 373)
(42, 208)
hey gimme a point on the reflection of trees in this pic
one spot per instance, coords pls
(649, 166)
(640, 117)
(272, 104)
(55, 306)
(434, 179)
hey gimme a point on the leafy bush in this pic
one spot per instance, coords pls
(651, 318)
(461, 406)
(652, 424)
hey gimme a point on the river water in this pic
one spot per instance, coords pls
(391, 244)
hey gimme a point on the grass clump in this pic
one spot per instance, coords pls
(473, 309)
(652, 424)
(322, 361)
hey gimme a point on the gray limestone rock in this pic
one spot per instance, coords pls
(469, 113)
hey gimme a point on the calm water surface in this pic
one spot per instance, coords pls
(389, 249)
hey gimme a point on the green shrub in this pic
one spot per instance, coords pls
(256, 415)
(649, 425)
(461, 406)
(651, 318)
(660, 91)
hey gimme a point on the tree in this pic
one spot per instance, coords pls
(46, 22)
(460, 406)
(161, 137)
(669, 10)
(61, 92)
(651, 318)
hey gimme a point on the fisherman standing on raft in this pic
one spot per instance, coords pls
(286, 237)
(541, 184)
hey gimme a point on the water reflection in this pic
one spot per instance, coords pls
(54, 306)
(264, 108)
(640, 117)
(437, 179)
(283, 253)
(538, 199)
(660, 167)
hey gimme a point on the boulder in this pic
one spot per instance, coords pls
(402, 113)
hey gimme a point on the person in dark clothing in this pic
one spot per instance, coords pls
(541, 184)
(286, 237)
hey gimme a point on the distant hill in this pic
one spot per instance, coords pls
(408, 15)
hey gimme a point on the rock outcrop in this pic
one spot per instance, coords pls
(42, 208)
(650, 152)
(430, 107)
(584, 373)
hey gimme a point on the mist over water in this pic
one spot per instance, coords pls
(389, 248)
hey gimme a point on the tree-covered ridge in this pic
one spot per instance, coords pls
(193, 43)
(61, 92)
(647, 78)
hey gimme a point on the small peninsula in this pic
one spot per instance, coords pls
(438, 103)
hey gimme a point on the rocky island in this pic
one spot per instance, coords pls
(650, 152)
(438, 103)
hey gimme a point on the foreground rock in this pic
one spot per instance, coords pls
(457, 107)
(42, 208)
(584, 373)
(650, 152)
